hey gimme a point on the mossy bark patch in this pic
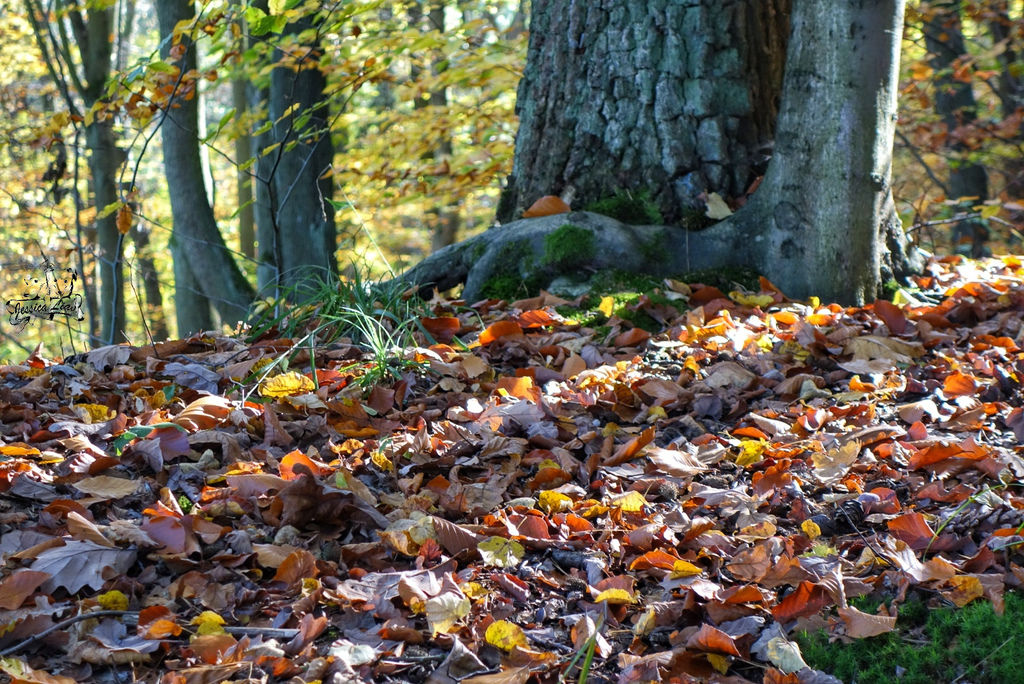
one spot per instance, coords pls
(568, 246)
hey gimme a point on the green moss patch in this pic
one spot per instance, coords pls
(636, 208)
(568, 246)
(970, 644)
(633, 295)
(513, 281)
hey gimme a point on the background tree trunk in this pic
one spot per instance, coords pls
(302, 238)
(91, 34)
(204, 270)
(442, 219)
(672, 99)
(1005, 28)
(105, 158)
(954, 103)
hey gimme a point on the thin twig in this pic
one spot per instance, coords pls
(61, 625)
(133, 616)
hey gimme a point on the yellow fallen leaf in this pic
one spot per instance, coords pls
(553, 502)
(683, 568)
(615, 597)
(474, 590)
(750, 451)
(751, 300)
(505, 635)
(717, 209)
(630, 502)
(811, 529)
(606, 306)
(445, 610)
(501, 552)
(718, 661)
(208, 622)
(94, 413)
(286, 385)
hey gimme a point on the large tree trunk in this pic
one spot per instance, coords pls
(204, 270)
(954, 103)
(671, 99)
(822, 221)
(300, 243)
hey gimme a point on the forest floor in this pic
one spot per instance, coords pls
(527, 493)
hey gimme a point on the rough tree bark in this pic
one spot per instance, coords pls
(675, 99)
(205, 273)
(822, 221)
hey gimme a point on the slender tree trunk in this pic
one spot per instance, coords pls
(954, 103)
(154, 314)
(443, 220)
(105, 158)
(1006, 30)
(243, 152)
(93, 34)
(670, 99)
(303, 239)
(205, 273)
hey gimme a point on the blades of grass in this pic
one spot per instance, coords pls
(585, 668)
(969, 500)
(586, 652)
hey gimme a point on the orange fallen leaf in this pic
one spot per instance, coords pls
(709, 638)
(548, 205)
(442, 329)
(912, 529)
(959, 384)
(497, 330)
(19, 586)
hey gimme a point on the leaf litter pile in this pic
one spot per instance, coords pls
(519, 498)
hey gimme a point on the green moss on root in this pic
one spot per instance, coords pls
(636, 208)
(509, 281)
(568, 246)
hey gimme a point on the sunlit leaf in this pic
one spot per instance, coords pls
(501, 552)
(286, 385)
(505, 635)
(208, 622)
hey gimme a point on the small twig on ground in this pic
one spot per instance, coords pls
(61, 625)
(133, 616)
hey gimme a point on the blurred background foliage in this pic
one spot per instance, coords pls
(421, 110)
